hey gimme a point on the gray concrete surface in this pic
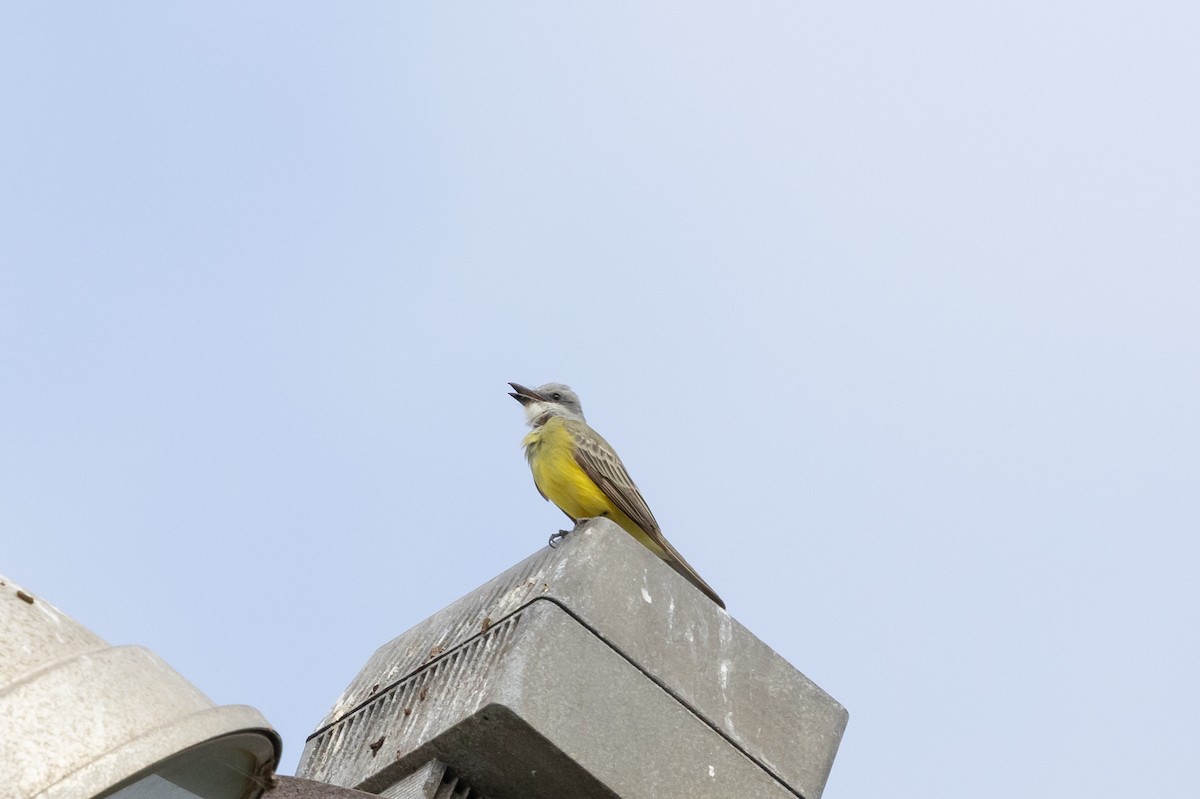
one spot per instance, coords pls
(588, 670)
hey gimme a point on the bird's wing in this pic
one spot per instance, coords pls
(599, 461)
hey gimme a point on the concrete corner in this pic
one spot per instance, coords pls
(590, 670)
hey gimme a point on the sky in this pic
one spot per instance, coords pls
(890, 309)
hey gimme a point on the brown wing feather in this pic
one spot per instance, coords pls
(600, 462)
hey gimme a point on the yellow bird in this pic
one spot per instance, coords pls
(577, 470)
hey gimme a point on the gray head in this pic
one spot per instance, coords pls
(552, 399)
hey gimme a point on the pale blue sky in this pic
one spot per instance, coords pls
(891, 310)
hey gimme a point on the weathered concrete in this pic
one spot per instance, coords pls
(296, 788)
(431, 781)
(591, 670)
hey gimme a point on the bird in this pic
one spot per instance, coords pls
(576, 469)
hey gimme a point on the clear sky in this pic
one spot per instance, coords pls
(890, 309)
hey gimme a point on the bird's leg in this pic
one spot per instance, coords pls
(561, 534)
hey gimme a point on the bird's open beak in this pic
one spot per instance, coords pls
(525, 395)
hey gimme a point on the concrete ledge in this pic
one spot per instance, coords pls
(588, 670)
(296, 788)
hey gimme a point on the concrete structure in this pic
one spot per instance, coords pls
(79, 718)
(590, 670)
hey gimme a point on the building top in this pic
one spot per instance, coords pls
(632, 674)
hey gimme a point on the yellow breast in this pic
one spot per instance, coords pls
(551, 453)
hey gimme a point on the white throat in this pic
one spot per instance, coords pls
(536, 410)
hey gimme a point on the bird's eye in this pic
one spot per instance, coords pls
(556, 396)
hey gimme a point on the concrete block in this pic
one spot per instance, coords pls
(590, 670)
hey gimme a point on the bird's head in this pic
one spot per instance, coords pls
(552, 399)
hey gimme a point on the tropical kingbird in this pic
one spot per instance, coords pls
(577, 470)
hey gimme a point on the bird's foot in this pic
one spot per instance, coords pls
(557, 538)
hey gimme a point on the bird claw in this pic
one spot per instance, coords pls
(557, 538)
